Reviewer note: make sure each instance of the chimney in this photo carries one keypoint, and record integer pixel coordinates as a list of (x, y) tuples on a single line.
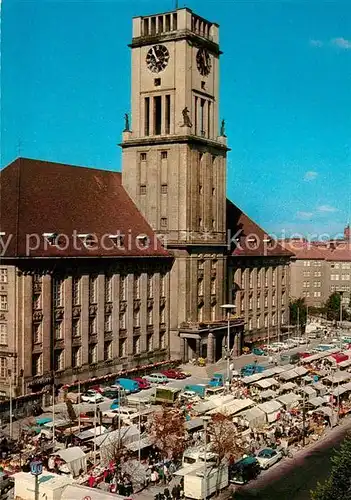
[(347, 233)]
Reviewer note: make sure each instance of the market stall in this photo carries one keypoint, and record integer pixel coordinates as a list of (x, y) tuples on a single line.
[(287, 387), (267, 383), (308, 391), (255, 417), (289, 400), (75, 492), (73, 460), (297, 372), (271, 409), (51, 486), (268, 394)]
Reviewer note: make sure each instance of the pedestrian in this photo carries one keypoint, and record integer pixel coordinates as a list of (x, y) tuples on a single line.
[(174, 492)]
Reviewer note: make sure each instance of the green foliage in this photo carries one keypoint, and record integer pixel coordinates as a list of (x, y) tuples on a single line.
[(298, 312), (332, 308), (338, 484)]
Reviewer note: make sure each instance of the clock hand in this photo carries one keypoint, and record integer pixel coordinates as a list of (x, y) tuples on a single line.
[(154, 54)]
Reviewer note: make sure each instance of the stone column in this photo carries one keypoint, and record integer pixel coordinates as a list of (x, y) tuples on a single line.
[(210, 348), (198, 347)]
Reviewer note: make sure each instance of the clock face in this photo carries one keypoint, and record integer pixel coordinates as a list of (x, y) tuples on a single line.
[(203, 61), (157, 58)]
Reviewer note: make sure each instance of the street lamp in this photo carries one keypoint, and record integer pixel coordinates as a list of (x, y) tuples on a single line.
[(228, 308), (36, 469), (205, 419)]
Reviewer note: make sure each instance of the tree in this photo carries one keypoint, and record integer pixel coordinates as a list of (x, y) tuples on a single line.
[(338, 484), (332, 306), (167, 432), (225, 441), (298, 312)]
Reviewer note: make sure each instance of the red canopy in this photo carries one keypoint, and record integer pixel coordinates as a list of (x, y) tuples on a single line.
[(339, 356)]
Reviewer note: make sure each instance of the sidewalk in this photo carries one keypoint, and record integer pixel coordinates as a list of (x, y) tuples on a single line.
[(151, 491)]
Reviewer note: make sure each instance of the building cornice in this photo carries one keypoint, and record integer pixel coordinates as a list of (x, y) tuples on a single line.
[(176, 139), (185, 34)]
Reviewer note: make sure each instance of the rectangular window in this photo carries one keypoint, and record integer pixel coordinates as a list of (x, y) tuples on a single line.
[(57, 292), (37, 301), (136, 345), (122, 287), (76, 291), (164, 155), (168, 114), (162, 340), (76, 328), (37, 364), (162, 285), (150, 316), (160, 24), (164, 189), (143, 156), (92, 354), (174, 28), (3, 275), (213, 286), (107, 350), (168, 22), (196, 112), (76, 357), (157, 115), (202, 117), (108, 323), (59, 360), (93, 289), (58, 330), (213, 312), (122, 320), (122, 350), (142, 189), (258, 302), (164, 222), (200, 287), (209, 120), (92, 326), (136, 286), (163, 315), (36, 333), (150, 287), (3, 333), (146, 26), (150, 342), (200, 313), (147, 115), (153, 26), (136, 317), (108, 288)]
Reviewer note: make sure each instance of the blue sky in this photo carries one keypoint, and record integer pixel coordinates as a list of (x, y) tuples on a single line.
[(285, 95)]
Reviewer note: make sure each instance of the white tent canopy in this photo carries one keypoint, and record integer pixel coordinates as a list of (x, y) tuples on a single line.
[(316, 402), (268, 394), (91, 433), (312, 393), (234, 407), (75, 459), (267, 383), (289, 399), (338, 377), (299, 371), (288, 386), (254, 417), (75, 492), (271, 409)]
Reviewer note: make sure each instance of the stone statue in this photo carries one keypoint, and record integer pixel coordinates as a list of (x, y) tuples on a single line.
[(186, 118), (222, 132), (126, 123)]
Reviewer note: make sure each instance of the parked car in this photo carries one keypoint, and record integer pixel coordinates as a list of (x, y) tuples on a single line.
[(244, 470), (217, 380), (189, 396), (92, 397), (257, 351), (156, 378), (173, 374), (129, 385), (6, 483), (143, 384), (97, 388), (268, 457)]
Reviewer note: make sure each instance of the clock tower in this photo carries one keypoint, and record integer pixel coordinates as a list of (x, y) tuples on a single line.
[(174, 158)]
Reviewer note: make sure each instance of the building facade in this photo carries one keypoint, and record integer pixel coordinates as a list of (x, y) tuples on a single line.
[(103, 271), (320, 269)]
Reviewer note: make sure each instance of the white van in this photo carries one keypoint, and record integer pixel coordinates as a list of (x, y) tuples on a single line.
[(197, 455), (124, 412)]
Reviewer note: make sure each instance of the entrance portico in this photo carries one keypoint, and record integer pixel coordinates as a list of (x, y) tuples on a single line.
[(209, 341)]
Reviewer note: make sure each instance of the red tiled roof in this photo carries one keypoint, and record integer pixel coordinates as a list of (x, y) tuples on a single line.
[(252, 241), (319, 251), (42, 197)]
